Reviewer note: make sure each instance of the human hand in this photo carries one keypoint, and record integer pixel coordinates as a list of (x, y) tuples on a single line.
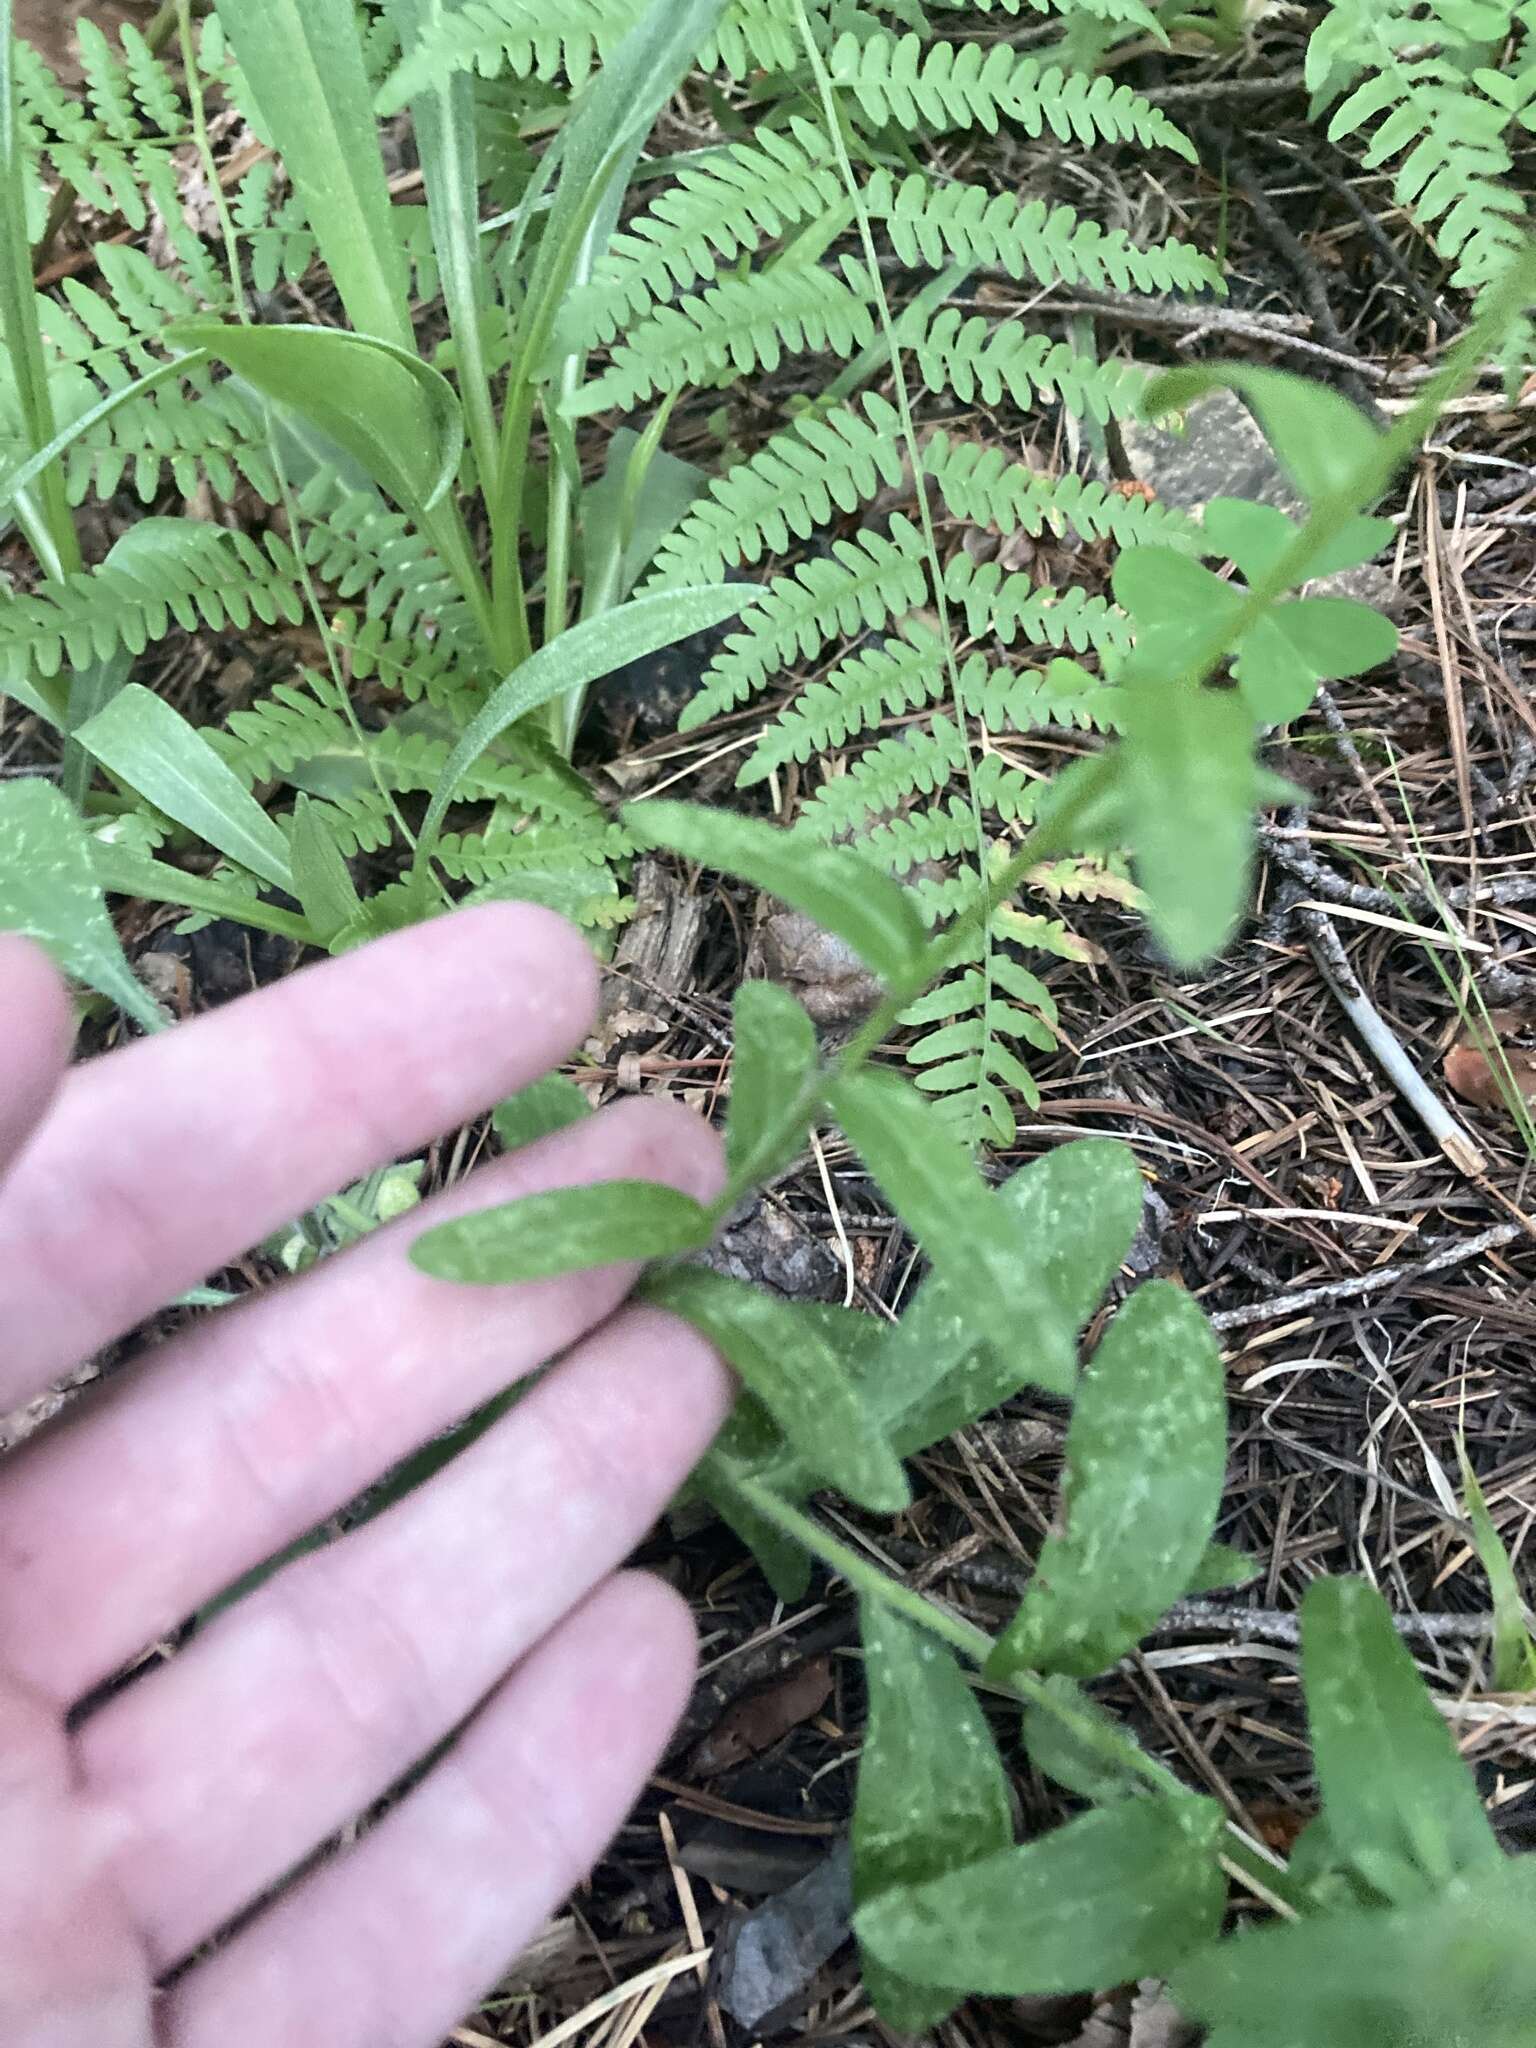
[(132, 1835)]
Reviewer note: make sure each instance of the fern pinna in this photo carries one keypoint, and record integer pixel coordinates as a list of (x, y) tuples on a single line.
[(745, 258), (1448, 82)]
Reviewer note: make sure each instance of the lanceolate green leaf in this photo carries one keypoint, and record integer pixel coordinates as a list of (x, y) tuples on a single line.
[(49, 891), (1146, 1453), (842, 891), (932, 1792), (773, 1058), (784, 1359), (12, 485), (150, 746), (567, 1230), (303, 62), (443, 120), (1190, 792), (1514, 1650), (1455, 1970), (1400, 1805), (392, 412), (157, 881), (932, 1183), (535, 1111), (785, 1566), (576, 658), (321, 879), (1115, 1895), (1073, 1215)]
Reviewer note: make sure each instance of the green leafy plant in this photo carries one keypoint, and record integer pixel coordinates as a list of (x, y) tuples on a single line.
[(948, 1903), (1447, 81), (371, 454), (1397, 1914)]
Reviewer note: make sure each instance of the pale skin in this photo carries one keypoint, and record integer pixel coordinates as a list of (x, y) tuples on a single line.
[(492, 1595)]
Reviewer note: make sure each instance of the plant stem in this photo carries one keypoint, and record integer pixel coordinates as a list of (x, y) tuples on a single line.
[(1243, 1857)]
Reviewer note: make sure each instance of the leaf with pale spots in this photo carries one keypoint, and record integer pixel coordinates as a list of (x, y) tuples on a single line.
[(1071, 1217), (1146, 1453), (49, 892), (1112, 1896), (784, 1358), (932, 1794), (566, 1230)]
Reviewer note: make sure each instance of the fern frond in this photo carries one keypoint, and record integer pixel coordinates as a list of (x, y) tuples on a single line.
[(903, 81), (358, 545), (1447, 140), (821, 464), (723, 207), (104, 143), (963, 1060), (293, 723), (958, 223), (360, 822), (742, 325), (863, 583), (161, 571), (980, 484), (1014, 608), (1063, 694), (881, 682), (534, 39), (973, 358), (922, 762)]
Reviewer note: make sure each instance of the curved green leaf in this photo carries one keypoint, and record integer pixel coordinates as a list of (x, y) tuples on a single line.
[(842, 891), (1400, 1804), (321, 878), (1146, 1455), (1115, 1895), (1072, 1216), (49, 892), (577, 657), (1189, 790), (932, 1791), (566, 1230), (931, 1181), (150, 746), (785, 1360), (1457, 1970), (303, 63), (552, 1104), (773, 1058), (382, 404)]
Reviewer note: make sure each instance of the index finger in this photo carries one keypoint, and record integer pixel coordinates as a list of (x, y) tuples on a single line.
[(159, 1164)]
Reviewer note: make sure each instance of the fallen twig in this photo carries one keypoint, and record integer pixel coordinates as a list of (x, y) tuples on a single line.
[(1300, 1299)]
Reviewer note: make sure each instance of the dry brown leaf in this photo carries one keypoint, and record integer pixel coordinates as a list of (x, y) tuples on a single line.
[(1476, 1078), (758, 1720)]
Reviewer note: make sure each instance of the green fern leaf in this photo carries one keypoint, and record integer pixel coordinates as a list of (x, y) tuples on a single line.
[(741, 326), (823, 463), (937, 85), (721, 208), (937, 224), (162, 571), (1013, 607), (904, 675), (975, 359), (980, 484), (864, 583)]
